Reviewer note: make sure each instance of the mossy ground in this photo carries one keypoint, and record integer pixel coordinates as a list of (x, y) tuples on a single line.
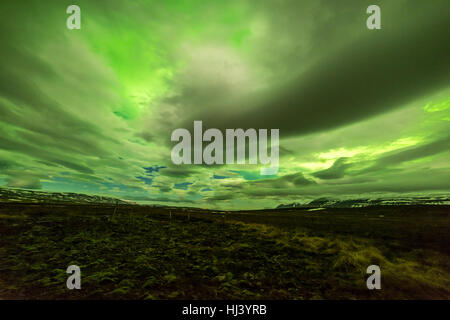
[(142, 253)]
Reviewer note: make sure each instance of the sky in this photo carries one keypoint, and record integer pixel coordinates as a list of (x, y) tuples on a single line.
[(361, 113)]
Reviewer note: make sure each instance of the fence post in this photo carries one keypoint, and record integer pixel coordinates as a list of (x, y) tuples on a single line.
[(115, 209)]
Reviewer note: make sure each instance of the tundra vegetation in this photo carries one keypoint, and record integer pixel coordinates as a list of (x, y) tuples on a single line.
[(143, 252)]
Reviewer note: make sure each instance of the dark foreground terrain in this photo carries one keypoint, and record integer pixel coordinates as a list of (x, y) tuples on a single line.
[(140, 252)]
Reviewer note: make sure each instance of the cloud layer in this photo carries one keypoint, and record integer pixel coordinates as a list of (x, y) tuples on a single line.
[(360, 112)]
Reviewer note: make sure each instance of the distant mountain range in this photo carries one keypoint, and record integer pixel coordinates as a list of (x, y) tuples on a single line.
[(355, 203), (12, 195), (21, 195)]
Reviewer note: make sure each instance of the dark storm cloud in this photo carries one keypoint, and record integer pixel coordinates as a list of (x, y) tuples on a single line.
[(290, 180), (403, 181), (341, 166), (178, 172), (414, 153), (380, 71), (336, 171), (221, 197), (268, 187), (387, 162), (164, 189)]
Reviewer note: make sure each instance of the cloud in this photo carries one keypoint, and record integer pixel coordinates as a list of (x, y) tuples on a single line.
[(25, 181), (397, 182), (287, 181), (89, 111), (377, 73), (413, 153), (179, 172), (336, 171)]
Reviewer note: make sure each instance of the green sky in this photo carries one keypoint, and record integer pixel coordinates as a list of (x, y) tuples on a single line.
[(361, 112)]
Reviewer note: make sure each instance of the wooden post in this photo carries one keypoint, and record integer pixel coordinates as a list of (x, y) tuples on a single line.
[(115, 209)]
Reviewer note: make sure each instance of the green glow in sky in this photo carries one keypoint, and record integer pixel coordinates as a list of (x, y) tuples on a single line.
[(361, 112)]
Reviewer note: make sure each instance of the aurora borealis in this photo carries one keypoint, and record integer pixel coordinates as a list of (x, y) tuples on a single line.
[(360, 112)]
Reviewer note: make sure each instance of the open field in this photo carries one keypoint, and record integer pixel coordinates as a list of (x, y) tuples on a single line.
[(141, 252)]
